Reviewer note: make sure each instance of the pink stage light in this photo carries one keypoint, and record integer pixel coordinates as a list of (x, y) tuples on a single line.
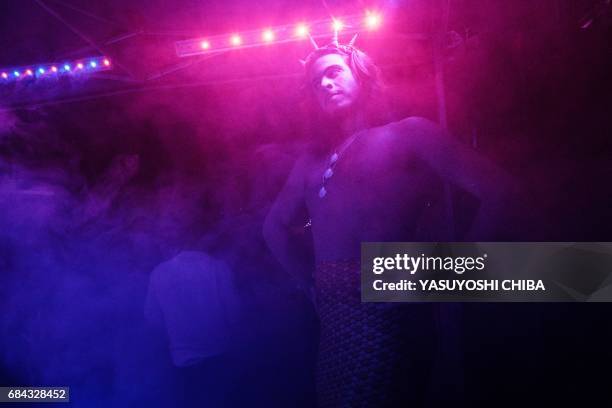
[(28, 72), (369, 20), (106, 62), (4, 75), (79, 66), (268, 35), (372, 21), (301, 30), (54, 68)]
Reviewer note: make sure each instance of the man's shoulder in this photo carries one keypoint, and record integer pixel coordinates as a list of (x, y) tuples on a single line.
[(414, 124), (408, 133)]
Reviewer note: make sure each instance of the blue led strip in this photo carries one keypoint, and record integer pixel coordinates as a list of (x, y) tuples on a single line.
[(42, 71)]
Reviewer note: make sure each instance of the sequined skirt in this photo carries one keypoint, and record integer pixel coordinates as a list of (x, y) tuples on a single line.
[(370, 354)]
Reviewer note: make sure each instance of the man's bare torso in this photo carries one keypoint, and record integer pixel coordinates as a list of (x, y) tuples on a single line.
[(379, 190)]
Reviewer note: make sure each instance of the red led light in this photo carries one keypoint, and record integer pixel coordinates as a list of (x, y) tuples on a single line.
[(106, 62), (28, 72), (79, 66)]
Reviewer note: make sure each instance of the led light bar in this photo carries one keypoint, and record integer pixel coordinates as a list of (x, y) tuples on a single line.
[(42, 71), (280, 34)]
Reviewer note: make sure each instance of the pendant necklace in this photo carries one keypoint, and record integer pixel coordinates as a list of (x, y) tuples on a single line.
[(333, 160)]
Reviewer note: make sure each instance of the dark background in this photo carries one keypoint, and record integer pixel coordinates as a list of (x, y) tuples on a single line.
[(81, 226)]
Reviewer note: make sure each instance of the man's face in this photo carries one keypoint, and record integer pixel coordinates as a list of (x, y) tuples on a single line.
[(333, 84)]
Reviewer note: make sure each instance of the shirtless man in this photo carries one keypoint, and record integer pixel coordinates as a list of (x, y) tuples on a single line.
[(365, 183)]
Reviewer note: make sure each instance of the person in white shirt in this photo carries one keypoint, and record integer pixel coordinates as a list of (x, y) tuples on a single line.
[(193, 298)]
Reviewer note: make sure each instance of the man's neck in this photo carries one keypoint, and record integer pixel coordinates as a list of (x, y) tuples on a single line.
[(353, 124), (348, 126)]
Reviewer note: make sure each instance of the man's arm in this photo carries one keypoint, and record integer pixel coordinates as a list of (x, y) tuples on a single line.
[(463, 167), (152, 309), (278, 223)]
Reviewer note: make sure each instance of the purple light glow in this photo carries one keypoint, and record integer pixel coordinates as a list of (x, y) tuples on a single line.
[(108, 171)]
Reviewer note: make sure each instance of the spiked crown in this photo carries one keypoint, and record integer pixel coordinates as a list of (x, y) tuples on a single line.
[(333, 47)]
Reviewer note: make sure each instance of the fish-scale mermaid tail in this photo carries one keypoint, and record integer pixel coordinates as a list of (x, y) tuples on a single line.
[(370, 354)]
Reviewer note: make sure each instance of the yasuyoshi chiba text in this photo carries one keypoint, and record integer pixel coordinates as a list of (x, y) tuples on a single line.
[(443, 285)]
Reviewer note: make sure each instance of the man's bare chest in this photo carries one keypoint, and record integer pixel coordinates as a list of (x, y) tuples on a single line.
[(366, 178)]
